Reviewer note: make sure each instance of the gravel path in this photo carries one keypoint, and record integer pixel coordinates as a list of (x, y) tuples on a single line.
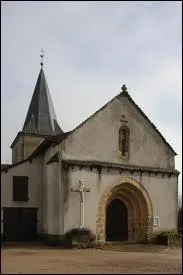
[(44, 260)]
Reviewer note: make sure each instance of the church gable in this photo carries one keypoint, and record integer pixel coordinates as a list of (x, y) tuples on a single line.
[(119, 133)]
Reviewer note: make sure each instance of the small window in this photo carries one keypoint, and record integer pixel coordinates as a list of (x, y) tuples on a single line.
[(124, 135), (20, 188)]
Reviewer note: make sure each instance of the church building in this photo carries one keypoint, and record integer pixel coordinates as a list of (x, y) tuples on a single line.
[(113, 174)]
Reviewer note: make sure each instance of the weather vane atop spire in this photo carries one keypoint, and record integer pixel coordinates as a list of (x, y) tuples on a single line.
[(42, 55)]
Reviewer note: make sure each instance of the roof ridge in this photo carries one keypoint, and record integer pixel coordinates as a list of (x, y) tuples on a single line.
[(60, 137), (126, 94)]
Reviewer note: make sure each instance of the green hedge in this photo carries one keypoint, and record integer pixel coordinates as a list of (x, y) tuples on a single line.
[(79, 238), (168, 238)]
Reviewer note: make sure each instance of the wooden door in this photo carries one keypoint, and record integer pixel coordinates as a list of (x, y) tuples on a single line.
[(116, 221)]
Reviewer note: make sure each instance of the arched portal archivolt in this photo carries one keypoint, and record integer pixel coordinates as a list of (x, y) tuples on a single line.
[(138, 203)]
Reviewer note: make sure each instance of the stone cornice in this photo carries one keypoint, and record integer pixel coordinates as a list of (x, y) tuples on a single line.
[(132, 168)]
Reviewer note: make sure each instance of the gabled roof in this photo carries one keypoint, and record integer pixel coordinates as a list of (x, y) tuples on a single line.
[(59, 138), (41, 117), (124, 93)]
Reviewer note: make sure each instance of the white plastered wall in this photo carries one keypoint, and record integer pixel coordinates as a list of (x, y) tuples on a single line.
[(162, 191), (33, 170)]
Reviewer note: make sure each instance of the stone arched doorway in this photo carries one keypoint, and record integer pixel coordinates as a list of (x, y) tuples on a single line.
[(139, 209)]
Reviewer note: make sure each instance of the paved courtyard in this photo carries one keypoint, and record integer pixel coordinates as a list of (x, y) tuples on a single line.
[(45, 260)]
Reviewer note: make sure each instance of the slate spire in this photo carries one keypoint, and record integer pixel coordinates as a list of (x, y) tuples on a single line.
[(41, 117)]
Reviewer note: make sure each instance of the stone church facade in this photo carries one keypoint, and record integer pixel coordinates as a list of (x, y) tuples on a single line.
[(124, 162)]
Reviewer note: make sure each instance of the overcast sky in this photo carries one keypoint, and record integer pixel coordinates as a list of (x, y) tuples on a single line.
[(92, 49)]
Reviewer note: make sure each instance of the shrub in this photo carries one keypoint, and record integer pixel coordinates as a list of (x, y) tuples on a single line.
[(79, 238), (168, 238)]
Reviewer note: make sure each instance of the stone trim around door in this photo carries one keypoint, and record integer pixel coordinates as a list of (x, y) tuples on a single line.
[(138, 203)]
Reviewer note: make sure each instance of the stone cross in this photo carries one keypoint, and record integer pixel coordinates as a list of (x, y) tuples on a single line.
[(82, 190)]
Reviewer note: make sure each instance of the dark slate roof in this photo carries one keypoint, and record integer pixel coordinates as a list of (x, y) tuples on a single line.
[(47, 143), (41, 117), (5, 166)]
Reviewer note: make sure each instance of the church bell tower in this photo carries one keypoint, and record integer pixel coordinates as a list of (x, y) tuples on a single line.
[(40, 121)]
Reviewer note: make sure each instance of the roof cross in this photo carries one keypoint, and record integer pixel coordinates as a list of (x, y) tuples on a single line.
[(42, 55), (124, 88)]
